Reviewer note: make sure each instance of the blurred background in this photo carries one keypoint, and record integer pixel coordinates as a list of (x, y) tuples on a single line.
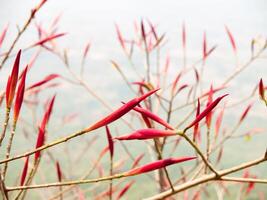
[(94, 22)]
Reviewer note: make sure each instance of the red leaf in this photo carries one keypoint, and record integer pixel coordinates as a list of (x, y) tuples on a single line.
[(24, 172), (137, 160), (125, 189), (20, 95), (144, 134), (156, 165), (47, 39), (120, 111), (205, 112), (120, 37), (12, 81), (184, 36), (204, 47), (261, 90), (219, 121), (231, 38), (42, 128), (196, 126), (3, 35), (152, 116), (245, 113), (110, 142), (45, 80), (59, 173)]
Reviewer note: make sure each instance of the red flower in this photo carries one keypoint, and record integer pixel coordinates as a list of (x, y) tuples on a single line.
[(120, 111), (144, 134), (156, 165)]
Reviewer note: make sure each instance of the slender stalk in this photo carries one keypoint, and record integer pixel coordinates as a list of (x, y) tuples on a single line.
[(199, 153), (9, 147), (3, 134)]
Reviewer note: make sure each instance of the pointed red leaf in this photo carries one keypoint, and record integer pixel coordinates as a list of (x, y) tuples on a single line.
[(125, 189), (196, 126), (59, 173), (120, 111), (245, 113), (156, 165), (261, 89), (144, 134), (3, 35), (137, 160), (20, 95), (205, 112), (47, 39), (152, 116), (120, 37), (12, 81), (24, 171), (45, 80), (110, 142), (231, 38), (184, 36)]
